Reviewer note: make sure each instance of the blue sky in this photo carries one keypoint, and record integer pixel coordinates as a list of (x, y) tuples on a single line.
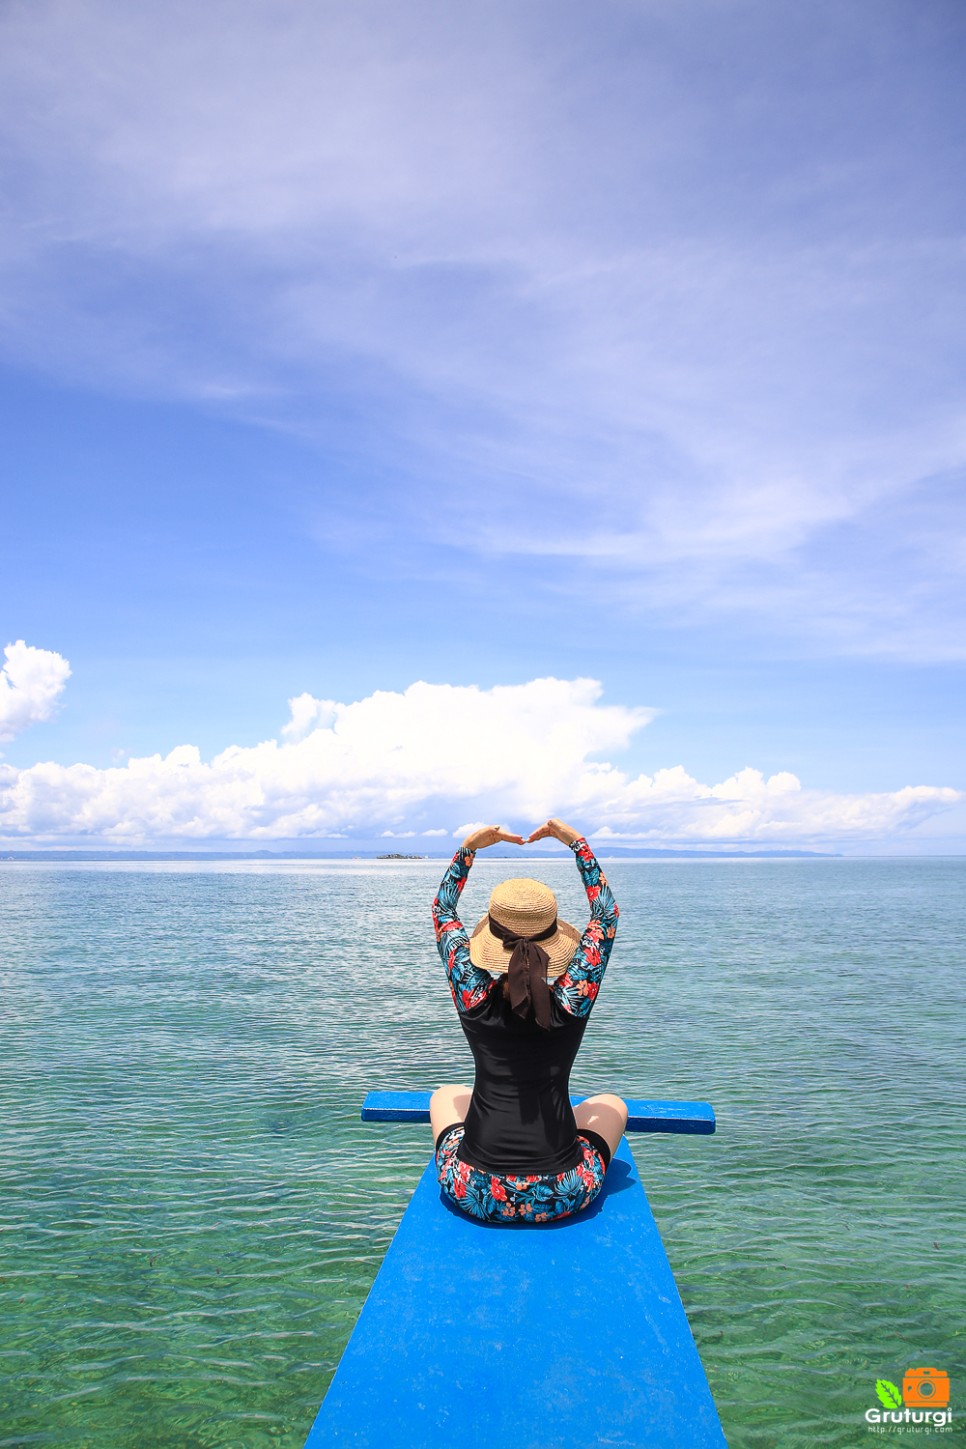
[(347, 349)]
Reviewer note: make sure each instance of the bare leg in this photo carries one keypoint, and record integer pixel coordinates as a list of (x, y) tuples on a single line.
[(449, 1105), (604, 1114)]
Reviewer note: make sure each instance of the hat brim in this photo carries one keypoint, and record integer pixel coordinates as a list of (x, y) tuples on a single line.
[(488, 952)]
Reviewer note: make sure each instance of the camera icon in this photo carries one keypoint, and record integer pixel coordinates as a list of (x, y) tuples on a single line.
[(925, 1388)]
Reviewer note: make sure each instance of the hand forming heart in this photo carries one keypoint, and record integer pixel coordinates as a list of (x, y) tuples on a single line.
[(491, 834)]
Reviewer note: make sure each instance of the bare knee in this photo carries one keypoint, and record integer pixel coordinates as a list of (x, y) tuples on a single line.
[(609, 1101), (605, 1114), (447, 1106)]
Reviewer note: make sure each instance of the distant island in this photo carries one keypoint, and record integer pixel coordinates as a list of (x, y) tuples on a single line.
[(394, 855)]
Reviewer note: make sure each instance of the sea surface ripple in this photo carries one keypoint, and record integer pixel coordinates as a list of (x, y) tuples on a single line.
[(192, 1213)]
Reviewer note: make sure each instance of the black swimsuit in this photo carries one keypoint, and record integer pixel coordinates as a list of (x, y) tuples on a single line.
[(520, 1118)]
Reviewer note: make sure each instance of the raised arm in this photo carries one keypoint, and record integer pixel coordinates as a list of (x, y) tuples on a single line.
[(468, 983), (576, 990)]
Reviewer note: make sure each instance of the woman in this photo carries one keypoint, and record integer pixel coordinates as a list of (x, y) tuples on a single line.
[(513, 1149)]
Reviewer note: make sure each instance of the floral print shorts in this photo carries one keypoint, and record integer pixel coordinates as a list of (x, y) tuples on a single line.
[(500, 1198)]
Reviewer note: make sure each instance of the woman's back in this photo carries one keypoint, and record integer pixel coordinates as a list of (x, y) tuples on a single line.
[(520, 1118)]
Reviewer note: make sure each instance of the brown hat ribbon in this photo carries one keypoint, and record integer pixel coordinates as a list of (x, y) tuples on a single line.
[(527, 972)]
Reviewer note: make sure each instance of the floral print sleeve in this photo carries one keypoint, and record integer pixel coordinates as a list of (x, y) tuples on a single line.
[(576, 990), (468, 983)]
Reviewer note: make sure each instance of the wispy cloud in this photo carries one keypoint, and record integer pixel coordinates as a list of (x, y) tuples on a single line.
[(417, 763), (706, 334)]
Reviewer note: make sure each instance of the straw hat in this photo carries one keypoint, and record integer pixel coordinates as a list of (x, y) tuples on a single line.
[(527, 908)]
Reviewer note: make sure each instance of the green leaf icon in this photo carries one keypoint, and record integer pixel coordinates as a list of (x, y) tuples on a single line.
[(889, 1395)]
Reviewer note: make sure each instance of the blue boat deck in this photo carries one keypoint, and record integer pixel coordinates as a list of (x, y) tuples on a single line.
[(556, 1336)]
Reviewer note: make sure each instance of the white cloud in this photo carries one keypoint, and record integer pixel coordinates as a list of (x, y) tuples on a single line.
[(777, 811), (379, 766), (600, 263), (31, 682), (307, 713)]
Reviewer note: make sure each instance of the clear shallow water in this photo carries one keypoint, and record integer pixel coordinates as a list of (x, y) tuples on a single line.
[(183, 1051)]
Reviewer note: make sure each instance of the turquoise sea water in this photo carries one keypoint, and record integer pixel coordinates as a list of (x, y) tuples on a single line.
[(184, 1240)]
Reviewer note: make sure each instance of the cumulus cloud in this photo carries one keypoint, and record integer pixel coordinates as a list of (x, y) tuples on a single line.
[(420, 762), (31, 682), (747, 807)]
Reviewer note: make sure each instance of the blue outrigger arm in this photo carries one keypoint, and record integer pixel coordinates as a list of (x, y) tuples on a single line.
[(561, 1335)]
